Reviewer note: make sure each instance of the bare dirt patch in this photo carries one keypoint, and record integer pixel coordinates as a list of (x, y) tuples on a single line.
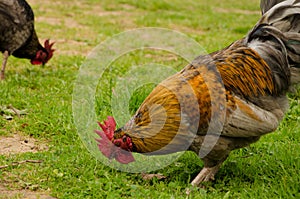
[(49, 20), (71, 47), (237, 11), (5, 194), (20, 144), (185, 29)]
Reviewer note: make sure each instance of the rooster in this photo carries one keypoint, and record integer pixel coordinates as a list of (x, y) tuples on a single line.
[(18, 36), (246, 82)]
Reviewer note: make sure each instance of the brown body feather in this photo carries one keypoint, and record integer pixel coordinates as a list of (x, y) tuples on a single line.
[(243, 73)]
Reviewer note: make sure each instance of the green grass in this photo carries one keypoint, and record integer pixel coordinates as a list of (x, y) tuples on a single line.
[(266, 169)]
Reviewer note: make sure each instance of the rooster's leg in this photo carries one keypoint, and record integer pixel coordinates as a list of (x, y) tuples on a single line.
[(5, 57), (206, 174)]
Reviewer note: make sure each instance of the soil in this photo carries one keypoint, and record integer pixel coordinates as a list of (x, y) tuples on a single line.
[(26, 194), (19, 144), (237, 11)]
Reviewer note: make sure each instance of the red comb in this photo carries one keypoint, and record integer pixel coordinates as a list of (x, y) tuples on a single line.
[(49, 49), (108, 127)]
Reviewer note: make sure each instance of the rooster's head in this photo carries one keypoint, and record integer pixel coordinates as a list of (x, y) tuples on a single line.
[(42, 56), (114, 144)]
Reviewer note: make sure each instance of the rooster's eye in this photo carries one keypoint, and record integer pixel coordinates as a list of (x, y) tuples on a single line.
[(124, 138)]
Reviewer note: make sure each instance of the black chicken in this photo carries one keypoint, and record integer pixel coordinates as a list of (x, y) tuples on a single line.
[(18, 36)]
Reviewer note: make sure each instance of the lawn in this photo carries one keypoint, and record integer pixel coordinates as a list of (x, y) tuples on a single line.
[(65, 167)]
